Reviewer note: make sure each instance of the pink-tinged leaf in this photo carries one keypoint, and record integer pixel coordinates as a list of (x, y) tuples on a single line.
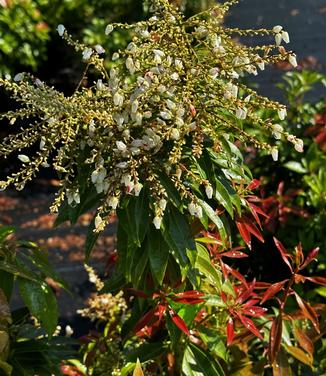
[(254, 311), (255, 210), (252, 228), (275, 338), (254, 184), (312, 255), (230, 331), (189, 297), (234, 254), (284, 254), (273, 290), (248, 324), (179, 322), (318, 280), (247, 293), (145, 320), (245, 234), (308, 311)]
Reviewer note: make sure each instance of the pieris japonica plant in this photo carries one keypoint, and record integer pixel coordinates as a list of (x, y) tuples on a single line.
[(154, 142)]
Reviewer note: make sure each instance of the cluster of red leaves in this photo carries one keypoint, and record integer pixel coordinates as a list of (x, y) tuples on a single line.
[(296, 264), (318, 131), (154, 318)]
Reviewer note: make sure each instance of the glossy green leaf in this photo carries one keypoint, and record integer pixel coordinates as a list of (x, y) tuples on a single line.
[(177, 234), (196, 362), (41, 301), (223, 197), (214, 218), (205, 267), (158, 251)]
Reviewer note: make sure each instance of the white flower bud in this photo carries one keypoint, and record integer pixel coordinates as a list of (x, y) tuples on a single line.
[(241, 113), (298, 145), (213, 72), (175, 134), (293, 60), (121, 146), (76, 197), (285, 36), (42, 144), (162, 203), (115, 56), (170, 104), (278, 39), (108, 30), (98, 222), (94, 176), (198, 211), (99, 49), (134, 106), (209, 191), (61, 29), (178, 173), (137, 188), (130, 65), (113, 202), (192, 208), (261, 65), (178, 64), (275, 154), (19, 77), (157, 222), (175, 76), (24, 158), (118, 99), (122, 165), (166, 115), (282, 113), (87, 53), (277, 29), (69, 331)]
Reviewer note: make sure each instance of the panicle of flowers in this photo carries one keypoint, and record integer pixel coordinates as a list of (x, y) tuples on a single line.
[(176, 85)]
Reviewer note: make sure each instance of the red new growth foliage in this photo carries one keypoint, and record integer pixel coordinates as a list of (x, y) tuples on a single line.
[(275, 337), (312, 255), (230, 332), (189, 297), (255, 210), (70, 371), (319, 280), (254, 184), (178, 321), (273, 290), (308, 311), (248, 324), (246, 227), (284, 254)]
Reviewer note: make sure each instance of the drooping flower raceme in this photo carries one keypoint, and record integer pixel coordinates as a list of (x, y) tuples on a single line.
[(173, 97)]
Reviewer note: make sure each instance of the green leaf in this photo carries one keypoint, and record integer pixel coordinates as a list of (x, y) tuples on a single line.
[(41, 302), (158, 252), (223, 197), (177, 234), (214, 218), (5, 231), (213, 341), (204, 265), (196, 362), (296, 167), (18, 271), (134, 218), (6, 283)]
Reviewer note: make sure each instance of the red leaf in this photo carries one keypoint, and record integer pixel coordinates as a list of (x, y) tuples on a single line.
[(145, 320), (254, 311), (189, 297), (252, 228), (248, 324), (299, 254), (230, 331), (178, 321), (312, 255), (234, 254), (273, 290), (284, 254), (308, 311), (245, 234), (319, 280), (235, 273), (255, 210), (275, 337), (246, 293), (254, 184)]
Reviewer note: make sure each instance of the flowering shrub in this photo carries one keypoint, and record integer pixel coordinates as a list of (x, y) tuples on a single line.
[(153, 141)]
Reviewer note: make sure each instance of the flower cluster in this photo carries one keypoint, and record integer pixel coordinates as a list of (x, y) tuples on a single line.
[(175, 88)]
